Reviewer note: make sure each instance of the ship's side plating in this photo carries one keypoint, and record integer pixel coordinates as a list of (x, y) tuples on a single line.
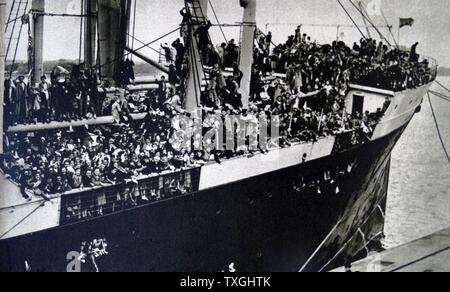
[(262, 213)]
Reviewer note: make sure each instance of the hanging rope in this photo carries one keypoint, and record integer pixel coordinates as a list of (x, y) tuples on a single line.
[(351, 18), (218, 22), (366, 243), (381, 211), (438, 128)]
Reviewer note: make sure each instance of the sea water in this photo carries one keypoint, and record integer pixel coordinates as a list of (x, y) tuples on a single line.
[(419, 192)]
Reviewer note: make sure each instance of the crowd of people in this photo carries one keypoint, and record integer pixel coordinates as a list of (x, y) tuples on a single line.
[(63, 97), (309, 66), (59, 161), (95, 156)]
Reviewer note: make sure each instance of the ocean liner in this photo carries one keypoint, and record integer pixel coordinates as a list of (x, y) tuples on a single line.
[(306, 206)]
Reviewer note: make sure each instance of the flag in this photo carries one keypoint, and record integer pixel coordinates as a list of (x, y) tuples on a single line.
[(373, 8), (406, 22)]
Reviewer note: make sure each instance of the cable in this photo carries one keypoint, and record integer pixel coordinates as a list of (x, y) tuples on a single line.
[(138, 49), (9, 17), (389, 28), (441, 85), (365, 221), (142, 43), (218, 22), (21, 221), (442, 96), (134, 26), (351, 18), (370, 21), (351, 238), (438, 129)]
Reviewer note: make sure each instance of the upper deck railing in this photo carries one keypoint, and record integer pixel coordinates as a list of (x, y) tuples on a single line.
[(396, 78)]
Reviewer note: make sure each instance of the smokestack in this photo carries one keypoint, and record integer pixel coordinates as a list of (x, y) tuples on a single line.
[(2, 67), (247, 37), (38, 7)]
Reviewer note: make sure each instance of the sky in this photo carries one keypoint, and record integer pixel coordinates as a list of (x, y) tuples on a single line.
[(157, 17)]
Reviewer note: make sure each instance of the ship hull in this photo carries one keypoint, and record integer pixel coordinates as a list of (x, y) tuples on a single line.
[(307, 217)]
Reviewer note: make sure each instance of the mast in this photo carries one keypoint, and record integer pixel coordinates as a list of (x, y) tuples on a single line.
[(38, 7), (248, 36), (109, 20), (204, 6), (2, 67), (90, 50), (194, 82), (198, 10)]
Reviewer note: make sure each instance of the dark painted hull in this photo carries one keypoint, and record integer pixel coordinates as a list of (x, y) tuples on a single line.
[(275, 222)]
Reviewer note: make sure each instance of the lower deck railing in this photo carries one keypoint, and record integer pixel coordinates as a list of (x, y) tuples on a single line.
[(91, 203)]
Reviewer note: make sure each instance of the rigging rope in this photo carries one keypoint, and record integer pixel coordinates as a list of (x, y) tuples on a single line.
[(23, 220), (9, 17), (320, 246), (441, 85), (218, 22), (441, 96), (378, 207), (389, 28), (351, 18), (134, 26), (140, 48), (438, 128), (142, 43), (371, 22), (351, 238)]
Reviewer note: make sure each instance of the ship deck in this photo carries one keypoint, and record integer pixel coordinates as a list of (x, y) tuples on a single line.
[(10, 196), (429, 254)]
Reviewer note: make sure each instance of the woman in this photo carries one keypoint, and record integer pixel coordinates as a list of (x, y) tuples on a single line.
[(99, 181), (37, 106), (237, 74), (77, 180), (299, 79), (173, 76), (97, 178), (36, 185), (116, 110)]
